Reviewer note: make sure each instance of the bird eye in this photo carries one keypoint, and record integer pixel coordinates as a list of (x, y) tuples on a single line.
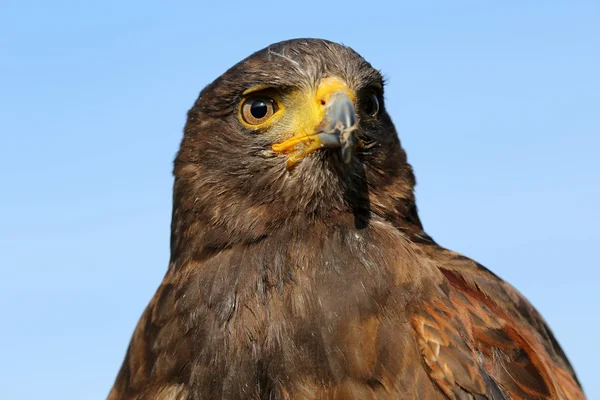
[(372, 105), (257, 110)]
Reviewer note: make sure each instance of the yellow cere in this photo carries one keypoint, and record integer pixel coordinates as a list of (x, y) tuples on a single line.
[(309, 111), (329, 86), (300, 126)]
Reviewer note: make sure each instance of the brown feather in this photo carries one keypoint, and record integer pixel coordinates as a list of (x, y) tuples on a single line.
[(319, 282)]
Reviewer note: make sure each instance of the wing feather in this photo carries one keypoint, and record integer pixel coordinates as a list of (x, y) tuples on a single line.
[(479, 337)]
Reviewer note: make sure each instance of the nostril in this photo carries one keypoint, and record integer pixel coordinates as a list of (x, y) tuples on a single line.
[(322, 102)]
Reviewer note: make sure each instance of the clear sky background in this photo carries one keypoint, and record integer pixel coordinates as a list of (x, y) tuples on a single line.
[(497, 104)]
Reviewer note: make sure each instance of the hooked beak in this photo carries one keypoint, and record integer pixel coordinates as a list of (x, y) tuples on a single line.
[(333, 127), (341, 124)]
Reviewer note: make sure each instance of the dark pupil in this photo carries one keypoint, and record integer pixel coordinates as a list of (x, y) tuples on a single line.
[(258, 109)]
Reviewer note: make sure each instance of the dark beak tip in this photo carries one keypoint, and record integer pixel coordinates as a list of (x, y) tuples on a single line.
[(347, 154)]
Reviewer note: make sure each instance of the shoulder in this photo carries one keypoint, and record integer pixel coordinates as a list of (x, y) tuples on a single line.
[(478, 334)]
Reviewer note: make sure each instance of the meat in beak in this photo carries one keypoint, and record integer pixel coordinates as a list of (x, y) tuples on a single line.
[(341, 124)]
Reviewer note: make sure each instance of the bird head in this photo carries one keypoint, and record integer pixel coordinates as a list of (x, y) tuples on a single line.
[(300, 97), (297, 130)]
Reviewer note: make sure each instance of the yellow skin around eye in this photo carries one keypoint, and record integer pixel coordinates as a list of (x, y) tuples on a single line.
[(266, 124), (298, 118)]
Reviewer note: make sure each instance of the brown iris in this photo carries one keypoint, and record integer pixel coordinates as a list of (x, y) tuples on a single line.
[(257, 110), (371, 105)]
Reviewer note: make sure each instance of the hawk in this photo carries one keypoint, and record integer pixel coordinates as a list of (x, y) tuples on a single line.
[(299, 267)]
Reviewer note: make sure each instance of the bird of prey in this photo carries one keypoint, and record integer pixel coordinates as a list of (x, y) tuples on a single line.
[(299, 267)]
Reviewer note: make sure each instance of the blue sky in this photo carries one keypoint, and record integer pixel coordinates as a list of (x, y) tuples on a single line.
[(497, 104)]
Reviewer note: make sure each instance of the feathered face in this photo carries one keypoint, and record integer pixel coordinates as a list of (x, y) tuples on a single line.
[(296, 129), (298, 97)]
